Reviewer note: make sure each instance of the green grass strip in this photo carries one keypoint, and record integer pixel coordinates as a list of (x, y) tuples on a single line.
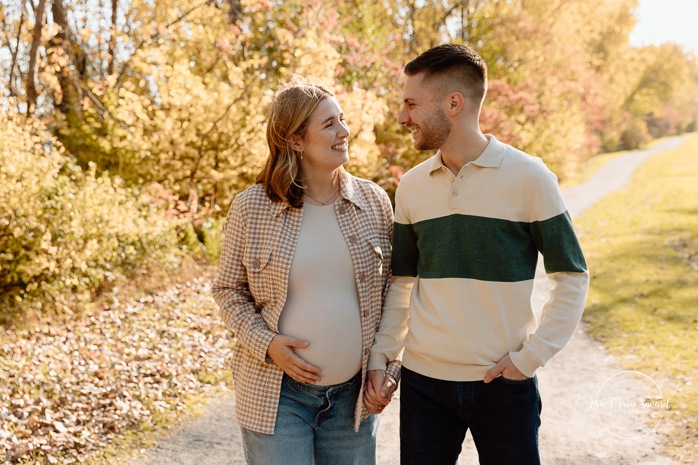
[(641, 245)]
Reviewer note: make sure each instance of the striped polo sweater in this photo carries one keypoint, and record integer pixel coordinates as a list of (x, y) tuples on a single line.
[(464, 258)]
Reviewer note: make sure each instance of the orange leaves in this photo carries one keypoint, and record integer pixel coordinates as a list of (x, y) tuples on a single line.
[(67, 392)]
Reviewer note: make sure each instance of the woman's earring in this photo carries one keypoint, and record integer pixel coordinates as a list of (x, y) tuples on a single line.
[(301, 156)]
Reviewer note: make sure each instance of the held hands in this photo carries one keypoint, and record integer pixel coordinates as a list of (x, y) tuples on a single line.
[(506, 368), (281, 352), (379, 390)]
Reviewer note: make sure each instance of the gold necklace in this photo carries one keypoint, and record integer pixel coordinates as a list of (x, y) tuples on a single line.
[(320, 201)]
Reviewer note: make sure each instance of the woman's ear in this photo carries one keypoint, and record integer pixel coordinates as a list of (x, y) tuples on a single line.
[(296, 143)]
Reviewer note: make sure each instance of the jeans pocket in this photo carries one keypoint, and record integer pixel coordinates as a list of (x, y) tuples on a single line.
[(515, 381)]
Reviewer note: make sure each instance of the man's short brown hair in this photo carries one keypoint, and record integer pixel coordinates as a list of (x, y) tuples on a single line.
[(452, 68)]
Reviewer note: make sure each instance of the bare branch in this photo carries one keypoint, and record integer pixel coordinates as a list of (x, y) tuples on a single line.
[(13, 65)]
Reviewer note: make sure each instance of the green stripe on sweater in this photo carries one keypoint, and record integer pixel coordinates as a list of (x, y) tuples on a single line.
[(487, 249), (405, 254), (558, 243)]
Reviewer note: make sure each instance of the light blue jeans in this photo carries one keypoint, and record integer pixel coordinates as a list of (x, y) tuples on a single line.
[(315, 425)]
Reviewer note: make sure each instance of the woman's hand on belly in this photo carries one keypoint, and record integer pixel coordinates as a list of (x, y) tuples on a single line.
[(281, 352)]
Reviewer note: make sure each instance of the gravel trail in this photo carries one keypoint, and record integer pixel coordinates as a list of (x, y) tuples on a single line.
[(571, 432)]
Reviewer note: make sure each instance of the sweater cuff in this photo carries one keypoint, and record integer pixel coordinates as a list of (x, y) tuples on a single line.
[(393, 368), (525, 362), (377, 361)]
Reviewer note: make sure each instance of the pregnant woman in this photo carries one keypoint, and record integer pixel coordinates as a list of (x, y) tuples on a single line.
[(304, 268)]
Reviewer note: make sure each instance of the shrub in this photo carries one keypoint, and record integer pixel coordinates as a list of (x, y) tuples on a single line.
[(634, 135), (65, 231)]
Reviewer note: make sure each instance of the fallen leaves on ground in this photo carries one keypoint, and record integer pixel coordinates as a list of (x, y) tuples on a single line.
[(68, 390)]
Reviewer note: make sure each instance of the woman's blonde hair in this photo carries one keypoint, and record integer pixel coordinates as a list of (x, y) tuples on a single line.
[(289, 116)]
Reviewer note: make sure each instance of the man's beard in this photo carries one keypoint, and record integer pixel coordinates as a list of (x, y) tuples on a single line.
[(434, 131)]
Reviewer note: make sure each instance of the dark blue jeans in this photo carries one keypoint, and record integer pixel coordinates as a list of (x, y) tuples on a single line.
[(503, 417)]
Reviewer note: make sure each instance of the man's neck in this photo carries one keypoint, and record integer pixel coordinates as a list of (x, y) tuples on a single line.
[(462, 149)]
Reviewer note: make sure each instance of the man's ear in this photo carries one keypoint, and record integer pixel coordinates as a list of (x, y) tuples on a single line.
[(455, 102), (296, 143)]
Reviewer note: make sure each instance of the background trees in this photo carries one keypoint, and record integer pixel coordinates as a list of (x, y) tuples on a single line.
[(171, 97), (176, 92)]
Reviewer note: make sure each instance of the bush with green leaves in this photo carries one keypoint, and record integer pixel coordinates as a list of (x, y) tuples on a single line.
[(65, 231)]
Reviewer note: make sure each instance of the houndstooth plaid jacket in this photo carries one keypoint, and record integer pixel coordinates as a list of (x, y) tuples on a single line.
[(251, 285)]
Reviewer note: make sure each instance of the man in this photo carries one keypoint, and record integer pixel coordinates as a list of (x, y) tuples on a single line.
[(469, 224)]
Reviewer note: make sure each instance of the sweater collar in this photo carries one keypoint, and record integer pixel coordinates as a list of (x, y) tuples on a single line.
[(491, 157)]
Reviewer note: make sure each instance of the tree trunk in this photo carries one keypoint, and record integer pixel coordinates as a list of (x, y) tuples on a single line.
[(235, 10), (69, 42), (68, 79), (410, 22), (33, 56), (112, 37)]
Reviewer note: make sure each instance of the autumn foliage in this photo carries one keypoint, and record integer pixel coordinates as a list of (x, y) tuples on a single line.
[(65, 230), (129, 127)]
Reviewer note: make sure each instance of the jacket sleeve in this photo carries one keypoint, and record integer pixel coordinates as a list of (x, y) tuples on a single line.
[(231, 289)]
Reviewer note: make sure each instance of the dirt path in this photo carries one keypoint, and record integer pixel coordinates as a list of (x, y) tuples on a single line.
[(571, 433)]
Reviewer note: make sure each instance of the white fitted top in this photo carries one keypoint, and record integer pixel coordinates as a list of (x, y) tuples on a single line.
[(322, 305)]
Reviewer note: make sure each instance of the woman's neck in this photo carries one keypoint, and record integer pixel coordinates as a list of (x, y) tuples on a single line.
[(321, 184), (321, 187)]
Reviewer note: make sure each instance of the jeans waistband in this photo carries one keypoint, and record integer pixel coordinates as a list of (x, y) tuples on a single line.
[(322, 390)]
